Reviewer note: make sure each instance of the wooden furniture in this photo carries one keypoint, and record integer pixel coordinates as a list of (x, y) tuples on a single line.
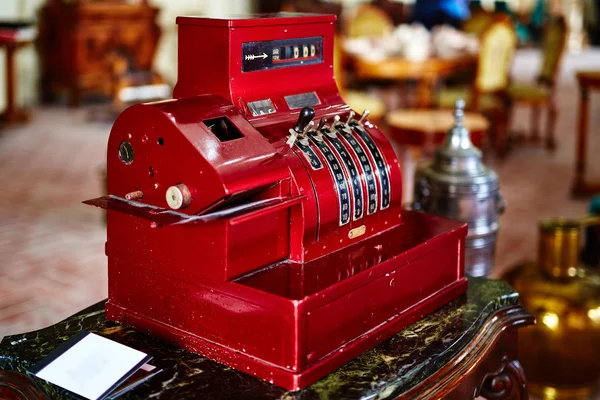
[(465, 349), (130, 86), (540, 94), (426, 73), (14, 36), (428, 128), (588, 81), (366, 20), (357, 100), (488, 92), (77, 37)]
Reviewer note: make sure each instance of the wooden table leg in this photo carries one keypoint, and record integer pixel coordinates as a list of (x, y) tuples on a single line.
[(580, 188), (425, 90), (581, 139), (12, 114), (535, 124)]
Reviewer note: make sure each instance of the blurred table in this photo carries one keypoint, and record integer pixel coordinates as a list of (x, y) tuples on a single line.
[(415, 133), (428, 128), (588, 80), (466, 348), (14, 35), (426, 73)]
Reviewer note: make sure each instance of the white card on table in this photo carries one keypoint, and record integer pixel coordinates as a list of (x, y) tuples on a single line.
[(90, 365)]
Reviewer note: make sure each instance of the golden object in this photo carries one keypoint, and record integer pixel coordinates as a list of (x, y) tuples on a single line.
[(561, 353), (356, 232)]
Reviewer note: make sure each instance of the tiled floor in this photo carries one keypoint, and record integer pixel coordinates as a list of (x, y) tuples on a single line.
[(52, 261)]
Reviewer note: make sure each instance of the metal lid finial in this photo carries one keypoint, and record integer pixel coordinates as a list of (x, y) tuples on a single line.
[(459, 111), (457, 154)]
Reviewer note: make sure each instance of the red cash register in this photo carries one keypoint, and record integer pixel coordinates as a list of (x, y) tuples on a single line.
[(255, 219)]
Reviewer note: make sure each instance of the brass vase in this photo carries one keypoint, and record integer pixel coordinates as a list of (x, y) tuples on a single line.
[(561, 353)]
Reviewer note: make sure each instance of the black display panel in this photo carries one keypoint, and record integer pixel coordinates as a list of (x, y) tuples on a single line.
[(272, 54)]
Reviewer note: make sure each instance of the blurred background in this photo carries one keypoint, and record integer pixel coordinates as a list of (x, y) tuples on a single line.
[(68, 67)]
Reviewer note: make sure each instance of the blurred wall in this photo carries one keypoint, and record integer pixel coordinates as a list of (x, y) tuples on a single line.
[(166, 57)]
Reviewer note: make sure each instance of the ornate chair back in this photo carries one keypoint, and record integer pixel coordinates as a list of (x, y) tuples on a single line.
[(496, 50), (368, 20), (553, 45), (478, 22)]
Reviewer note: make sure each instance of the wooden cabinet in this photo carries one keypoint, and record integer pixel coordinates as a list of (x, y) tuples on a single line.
[(78, 39)]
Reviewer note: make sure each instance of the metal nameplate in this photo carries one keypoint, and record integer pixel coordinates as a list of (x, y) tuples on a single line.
[(301, 100), (341, 182), (310, 156), (367, 168), (384, 179), (357, 189)]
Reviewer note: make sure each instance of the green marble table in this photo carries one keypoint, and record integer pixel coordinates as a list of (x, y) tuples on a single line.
[(465, 349)]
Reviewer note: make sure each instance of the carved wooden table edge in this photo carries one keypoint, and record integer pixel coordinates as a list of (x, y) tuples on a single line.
[(488, 364), (16, 386)]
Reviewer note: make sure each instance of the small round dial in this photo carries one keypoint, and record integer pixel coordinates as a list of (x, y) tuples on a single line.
[(126, 152)]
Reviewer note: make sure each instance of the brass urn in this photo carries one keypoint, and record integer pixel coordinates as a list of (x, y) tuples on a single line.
[(561, 353)]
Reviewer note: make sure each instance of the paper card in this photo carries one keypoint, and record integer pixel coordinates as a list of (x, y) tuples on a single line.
[(90, 365)]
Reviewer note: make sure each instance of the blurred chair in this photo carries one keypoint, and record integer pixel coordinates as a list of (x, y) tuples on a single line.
[(478, 23), (399, 11), (427, 129), (368, 20), (357, 100), (488, 92), (540, 94)]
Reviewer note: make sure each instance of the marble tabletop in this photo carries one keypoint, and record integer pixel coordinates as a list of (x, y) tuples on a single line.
[(386, 371)]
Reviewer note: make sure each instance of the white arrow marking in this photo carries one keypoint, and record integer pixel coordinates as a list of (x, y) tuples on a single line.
[(252, 56)]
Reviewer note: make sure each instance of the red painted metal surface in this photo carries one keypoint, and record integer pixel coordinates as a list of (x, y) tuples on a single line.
[(263, 270)]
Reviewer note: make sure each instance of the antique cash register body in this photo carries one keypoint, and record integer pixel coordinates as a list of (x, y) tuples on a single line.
[(254, 219)]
